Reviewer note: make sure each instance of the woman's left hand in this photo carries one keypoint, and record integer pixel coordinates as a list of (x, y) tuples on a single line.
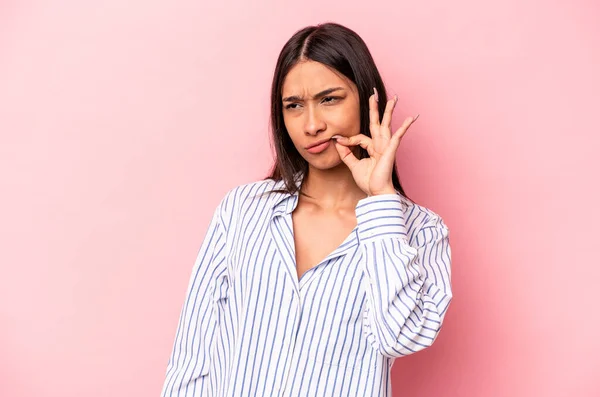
[(374, 174)]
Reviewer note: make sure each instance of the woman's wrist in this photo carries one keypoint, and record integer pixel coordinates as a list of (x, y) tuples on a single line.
[(390, 190)]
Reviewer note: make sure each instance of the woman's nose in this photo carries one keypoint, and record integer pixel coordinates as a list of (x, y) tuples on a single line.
[(314, 124)]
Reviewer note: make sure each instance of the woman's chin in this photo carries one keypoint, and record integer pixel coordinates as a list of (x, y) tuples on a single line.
[(326, 163)]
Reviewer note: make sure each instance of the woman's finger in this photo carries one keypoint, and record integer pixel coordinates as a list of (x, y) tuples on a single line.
[(385, 128), (346, 155), (357, 140), (374, 114), (404, 127)]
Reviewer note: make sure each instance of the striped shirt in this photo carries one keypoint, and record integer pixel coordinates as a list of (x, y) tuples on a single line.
[(249, 327)]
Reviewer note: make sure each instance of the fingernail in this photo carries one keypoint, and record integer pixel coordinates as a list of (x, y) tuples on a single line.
[(395, 98), (336, 137), (376, 94), (416, 117)]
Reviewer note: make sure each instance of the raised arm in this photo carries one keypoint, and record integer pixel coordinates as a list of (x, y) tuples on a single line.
[(408, 287)]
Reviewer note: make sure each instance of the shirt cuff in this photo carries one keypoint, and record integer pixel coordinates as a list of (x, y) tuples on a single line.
[(381, 216)]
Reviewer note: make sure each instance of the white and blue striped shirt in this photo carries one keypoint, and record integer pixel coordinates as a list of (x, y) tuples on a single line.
[(249, 327)]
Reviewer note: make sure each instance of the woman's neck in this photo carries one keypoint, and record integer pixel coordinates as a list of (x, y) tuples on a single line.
[(331, 189)]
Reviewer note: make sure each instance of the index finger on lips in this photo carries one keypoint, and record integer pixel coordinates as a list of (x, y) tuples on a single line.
[(360, 139)]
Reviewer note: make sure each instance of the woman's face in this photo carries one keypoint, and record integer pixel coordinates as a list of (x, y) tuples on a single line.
[(317, 104)]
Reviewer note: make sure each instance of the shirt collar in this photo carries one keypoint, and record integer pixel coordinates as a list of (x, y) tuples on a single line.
[(285, 203)]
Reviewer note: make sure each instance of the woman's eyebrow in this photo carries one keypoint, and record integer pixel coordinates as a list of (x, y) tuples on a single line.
[(318, 95)]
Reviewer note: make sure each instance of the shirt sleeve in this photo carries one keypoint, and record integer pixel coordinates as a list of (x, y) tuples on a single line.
[(189, 363), (407, 286)]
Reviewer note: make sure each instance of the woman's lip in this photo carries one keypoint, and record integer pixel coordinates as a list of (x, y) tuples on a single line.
[(319, 148)]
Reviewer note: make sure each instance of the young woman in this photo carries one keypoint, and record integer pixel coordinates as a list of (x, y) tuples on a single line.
[(312, 281)]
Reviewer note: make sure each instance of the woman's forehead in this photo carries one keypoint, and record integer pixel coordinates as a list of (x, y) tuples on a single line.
[(311, 77)]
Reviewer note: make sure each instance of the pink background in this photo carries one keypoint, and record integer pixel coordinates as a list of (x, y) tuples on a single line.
[(123, 123)]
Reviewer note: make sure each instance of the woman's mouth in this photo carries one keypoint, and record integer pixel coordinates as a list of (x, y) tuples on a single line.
[(316, 149)]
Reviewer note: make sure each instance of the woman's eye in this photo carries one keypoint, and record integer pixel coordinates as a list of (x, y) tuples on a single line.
[(329, 99)]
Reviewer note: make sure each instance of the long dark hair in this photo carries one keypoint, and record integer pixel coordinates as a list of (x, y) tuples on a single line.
[(342, 49)]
